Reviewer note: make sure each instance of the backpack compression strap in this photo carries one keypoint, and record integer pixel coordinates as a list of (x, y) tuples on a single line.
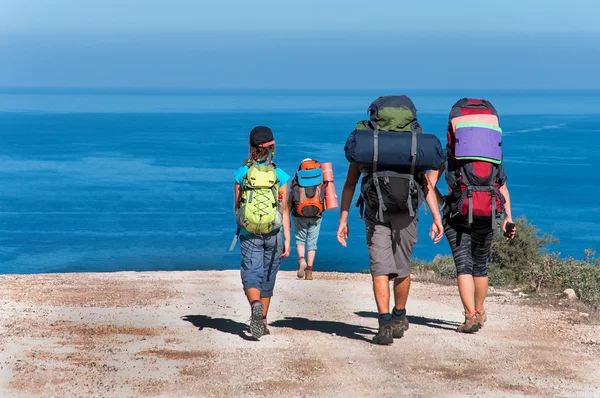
[(382, 207), (413, 162)]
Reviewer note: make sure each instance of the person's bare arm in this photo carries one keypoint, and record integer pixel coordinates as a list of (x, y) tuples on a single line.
[(283, 191), (507, 210), (433, 177), (237, 193), (347, 195), (437, 230)]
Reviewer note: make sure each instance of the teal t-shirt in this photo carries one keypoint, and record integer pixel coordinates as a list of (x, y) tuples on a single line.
[(240, 173)]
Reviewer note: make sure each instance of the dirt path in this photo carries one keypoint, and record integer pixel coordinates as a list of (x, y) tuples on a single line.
[(183, 334)]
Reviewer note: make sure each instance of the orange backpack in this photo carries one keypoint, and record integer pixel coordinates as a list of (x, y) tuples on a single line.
[(308, 190)]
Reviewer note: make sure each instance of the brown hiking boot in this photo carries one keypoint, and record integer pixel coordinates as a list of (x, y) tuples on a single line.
[(481, 317), (399, 326), (385, 335), (308, 275), (469, 326), (301, 267)]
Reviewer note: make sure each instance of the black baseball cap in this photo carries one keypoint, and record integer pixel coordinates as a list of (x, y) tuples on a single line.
[(261, 135)]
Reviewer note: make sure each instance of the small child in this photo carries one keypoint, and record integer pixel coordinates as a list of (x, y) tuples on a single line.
[(307, 201), (262, 214)]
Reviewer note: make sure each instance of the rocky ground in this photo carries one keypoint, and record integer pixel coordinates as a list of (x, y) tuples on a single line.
[(185, 334)]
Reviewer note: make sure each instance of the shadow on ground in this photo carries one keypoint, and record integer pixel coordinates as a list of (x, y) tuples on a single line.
[(417, 320), (354, 332), (221, 324)]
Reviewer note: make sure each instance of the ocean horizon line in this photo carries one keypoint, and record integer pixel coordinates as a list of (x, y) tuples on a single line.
[(278, 90)]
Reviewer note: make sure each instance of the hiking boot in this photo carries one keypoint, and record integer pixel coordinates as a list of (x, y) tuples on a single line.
[(256, 321), (469, 326), (481, 317), (301, 267), (309, 275), (265, 330), (385, 335), (399, 326)]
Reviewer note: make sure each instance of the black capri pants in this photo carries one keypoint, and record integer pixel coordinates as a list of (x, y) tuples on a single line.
[(470, 246)]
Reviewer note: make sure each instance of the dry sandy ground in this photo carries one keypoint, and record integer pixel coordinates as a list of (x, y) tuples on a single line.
[(184, 334)]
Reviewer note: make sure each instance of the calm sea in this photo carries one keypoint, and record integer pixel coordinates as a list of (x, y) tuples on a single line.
[(106, 180)]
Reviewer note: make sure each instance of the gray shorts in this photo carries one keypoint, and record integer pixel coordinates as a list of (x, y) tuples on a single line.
[(306, 231), (390, 244)]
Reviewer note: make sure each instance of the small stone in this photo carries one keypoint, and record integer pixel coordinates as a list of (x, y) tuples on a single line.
[(570, 294), (584, 314)]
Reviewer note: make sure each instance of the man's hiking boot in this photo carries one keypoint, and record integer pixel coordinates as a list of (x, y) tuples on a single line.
[(399, 326), (309, 275), (301, 267), (257, 326), (481, 317), (385, 335), (265, 330), (469, 326)]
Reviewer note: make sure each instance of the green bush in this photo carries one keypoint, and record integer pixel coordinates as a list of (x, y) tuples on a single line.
[(442, 266), (581, 276), (516, 260)]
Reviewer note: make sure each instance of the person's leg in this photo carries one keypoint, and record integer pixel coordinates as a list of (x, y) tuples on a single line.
[(379, 243), (459, 239), (405, 236), (252, 248), (381, 290), (481, 242), (272, 261), (300, 233), (312, 237)]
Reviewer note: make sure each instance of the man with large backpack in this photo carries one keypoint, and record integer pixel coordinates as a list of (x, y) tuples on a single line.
[(477, 196), (392, 153)]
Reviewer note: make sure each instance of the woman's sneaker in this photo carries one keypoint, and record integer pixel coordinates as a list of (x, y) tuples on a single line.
[(301, 267), (469, 326), (481, 317), (257, 326)]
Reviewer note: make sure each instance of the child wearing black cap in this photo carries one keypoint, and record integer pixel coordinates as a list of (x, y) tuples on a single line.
[(260, 240)]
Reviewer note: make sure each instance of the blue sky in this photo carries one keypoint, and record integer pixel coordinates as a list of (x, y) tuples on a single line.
[(306, 44)]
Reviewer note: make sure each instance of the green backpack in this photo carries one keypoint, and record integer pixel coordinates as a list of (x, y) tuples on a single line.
[(259, 211)]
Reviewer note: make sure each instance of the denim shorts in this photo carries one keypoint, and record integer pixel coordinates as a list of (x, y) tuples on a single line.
[(306, 231), (261, 257)]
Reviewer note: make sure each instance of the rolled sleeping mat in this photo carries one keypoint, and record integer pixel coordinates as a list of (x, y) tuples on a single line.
[(476, 118), (478, 141), (394, 150)]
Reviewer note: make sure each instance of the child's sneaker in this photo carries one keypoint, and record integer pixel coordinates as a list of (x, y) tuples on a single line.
[(257, 326), (469, 326), (309, 275), (481, 317), (301, 267)]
